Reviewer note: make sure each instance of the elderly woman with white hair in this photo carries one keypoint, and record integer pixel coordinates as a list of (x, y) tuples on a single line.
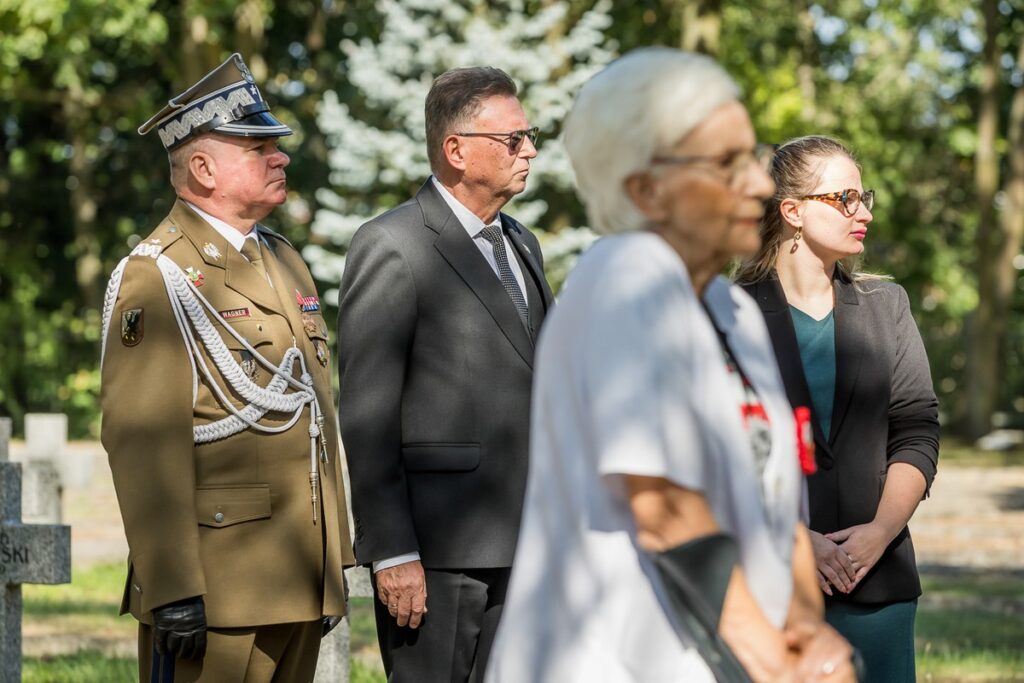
[(659, 416)]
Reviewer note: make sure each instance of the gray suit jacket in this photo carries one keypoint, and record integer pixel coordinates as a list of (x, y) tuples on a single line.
[(885, 411), (436, 370)]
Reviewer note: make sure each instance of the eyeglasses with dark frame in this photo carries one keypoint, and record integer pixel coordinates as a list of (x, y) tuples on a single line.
[(850, 199), (513, 138), (733, 163)]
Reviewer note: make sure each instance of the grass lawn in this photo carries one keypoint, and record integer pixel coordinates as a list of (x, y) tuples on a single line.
[(957, 452), (98, 646), (970, 627)]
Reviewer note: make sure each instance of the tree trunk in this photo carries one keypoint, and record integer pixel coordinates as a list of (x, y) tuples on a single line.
[(809, 64), (983, 351), (88, 265), (701, 25), (194, 59)]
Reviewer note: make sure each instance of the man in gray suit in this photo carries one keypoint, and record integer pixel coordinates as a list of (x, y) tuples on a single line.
[(439, 310)]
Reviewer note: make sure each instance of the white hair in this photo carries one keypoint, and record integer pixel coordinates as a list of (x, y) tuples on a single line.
[(641, 104)]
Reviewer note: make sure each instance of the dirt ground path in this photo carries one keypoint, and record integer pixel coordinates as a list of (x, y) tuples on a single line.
[(973, 519)]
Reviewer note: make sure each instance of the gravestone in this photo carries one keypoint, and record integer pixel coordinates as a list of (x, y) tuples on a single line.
[(42, 480), (29, 553)]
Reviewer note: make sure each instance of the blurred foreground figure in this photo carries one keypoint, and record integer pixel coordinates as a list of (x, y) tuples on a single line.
[(217, 410), (439, 308), (661, 430), (848, 348)]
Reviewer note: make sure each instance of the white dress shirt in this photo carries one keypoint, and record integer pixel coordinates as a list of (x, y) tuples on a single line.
[(229, 232), (474, 226)]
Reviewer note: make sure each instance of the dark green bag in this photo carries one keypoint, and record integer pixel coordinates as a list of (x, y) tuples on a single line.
[(696, 575)]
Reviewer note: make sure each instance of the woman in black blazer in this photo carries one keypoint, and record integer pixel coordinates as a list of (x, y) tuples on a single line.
[(849, 350)]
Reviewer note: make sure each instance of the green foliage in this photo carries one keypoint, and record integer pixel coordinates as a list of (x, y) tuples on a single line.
[(896, 79)]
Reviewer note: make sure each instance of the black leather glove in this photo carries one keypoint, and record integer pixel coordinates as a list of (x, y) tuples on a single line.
[(179, 629), (329, 624)]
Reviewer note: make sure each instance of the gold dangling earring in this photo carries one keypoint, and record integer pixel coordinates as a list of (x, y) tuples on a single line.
[(796, 239)]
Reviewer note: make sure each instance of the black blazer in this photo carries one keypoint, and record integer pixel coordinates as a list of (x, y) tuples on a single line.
[(885, 411), (436, 369)]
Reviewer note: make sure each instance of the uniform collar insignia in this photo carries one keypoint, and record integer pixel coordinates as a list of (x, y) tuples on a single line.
[(212, 251)]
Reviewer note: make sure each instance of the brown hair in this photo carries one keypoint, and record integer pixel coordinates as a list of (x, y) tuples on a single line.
[(455, 97), (796, 169)]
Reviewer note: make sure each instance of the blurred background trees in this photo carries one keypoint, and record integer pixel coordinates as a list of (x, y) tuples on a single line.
[(930, 94)]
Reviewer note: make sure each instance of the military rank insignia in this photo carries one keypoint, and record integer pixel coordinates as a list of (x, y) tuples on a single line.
[(196, 277), (307, 304), (131, 326)]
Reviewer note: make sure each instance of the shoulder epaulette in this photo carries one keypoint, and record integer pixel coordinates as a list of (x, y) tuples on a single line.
[(162, 237)]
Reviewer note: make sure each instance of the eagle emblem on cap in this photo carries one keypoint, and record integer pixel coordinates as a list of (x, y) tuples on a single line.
[(246, 74)]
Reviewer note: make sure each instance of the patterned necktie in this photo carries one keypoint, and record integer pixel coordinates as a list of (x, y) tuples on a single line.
[(492, 233), (251, 251)]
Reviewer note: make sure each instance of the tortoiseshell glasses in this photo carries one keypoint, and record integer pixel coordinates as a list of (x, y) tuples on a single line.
[(850, 199)]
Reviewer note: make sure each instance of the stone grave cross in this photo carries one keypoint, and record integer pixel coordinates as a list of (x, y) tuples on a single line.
[(29, 553)]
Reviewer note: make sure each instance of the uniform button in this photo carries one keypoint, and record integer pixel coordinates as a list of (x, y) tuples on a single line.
[(219, 517)]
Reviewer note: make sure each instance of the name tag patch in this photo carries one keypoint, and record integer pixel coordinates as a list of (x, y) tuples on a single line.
[(233, 313)]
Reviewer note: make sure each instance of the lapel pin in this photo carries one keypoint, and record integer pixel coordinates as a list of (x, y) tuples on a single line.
[(196, 277), (212, 251)]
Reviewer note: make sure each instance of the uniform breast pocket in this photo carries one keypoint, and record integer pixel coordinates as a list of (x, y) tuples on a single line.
[(223, 506), (256, 334)]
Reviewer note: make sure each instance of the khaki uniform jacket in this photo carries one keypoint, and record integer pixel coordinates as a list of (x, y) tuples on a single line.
[(229, 520)]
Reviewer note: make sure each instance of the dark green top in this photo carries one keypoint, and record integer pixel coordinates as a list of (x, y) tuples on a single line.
[(817, 342)]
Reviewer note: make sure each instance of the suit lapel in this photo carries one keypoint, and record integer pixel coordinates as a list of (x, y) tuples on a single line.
[(239, 274), (851, 340), (772, 301), (456, 247)]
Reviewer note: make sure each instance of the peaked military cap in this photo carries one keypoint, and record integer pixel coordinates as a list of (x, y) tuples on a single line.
[(226, 100)]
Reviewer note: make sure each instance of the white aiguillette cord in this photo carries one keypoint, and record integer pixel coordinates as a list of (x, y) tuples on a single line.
[(187, 304)]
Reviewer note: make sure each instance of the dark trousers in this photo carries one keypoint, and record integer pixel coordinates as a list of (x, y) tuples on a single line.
[(883, 634), (280, 653), (454, 640)]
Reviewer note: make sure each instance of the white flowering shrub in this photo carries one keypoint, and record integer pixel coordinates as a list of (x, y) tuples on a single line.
[(377, 148)]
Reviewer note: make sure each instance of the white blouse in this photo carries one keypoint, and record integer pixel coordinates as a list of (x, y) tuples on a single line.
[(630, 379)]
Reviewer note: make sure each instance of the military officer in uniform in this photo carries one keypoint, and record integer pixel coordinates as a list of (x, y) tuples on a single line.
[(217, 410)]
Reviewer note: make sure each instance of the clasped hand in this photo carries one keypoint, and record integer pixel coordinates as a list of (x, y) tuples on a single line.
[(822, 654), (846, 556)]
